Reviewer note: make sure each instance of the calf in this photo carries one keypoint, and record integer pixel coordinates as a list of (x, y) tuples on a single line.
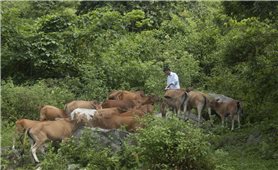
[(85, 112), (175, 99), (69, 107), (231, 108), (48, 112), (21, 126), (52, 130), (126, 95), (199, 101), (111, 111), (115, 121)]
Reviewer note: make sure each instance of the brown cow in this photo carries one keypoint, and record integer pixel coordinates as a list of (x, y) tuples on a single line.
[(181, 100), (231, 108), (126, 95), (111, 111), (52, 130), (115, 121), (147, 108), (133, 112), (48, 112), (124, 104), (175, 99), (199, 101), (21, 126), (69, 107)]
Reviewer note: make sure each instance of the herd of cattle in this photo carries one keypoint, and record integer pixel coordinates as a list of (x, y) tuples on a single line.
[(122, 108)]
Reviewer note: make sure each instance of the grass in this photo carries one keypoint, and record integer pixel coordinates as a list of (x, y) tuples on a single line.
[(259, 154), (239, 159)]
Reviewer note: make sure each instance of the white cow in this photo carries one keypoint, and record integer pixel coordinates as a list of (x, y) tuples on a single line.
[(88, 112)]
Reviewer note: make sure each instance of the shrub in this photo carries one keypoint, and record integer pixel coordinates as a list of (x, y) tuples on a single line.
[(25, 101), (169, 144), (84, 151)]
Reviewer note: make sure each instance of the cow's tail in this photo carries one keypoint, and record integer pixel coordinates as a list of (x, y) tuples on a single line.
[(30, 135), (184, 104), (239, 108), (206, 102)]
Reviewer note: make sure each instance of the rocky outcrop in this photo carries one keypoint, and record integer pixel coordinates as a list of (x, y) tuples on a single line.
[(108, 138)]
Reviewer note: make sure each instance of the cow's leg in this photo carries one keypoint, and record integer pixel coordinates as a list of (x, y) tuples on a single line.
[(233, 121), (222, 120), (33, 151), (210, 118), (199, 110), (39, 140), (186, 112), (176, 111)]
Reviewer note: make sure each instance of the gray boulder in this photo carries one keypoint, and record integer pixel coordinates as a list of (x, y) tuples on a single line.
[(107, 138)]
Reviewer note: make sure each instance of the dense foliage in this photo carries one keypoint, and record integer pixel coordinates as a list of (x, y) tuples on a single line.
[(53, 52), (179, 146)]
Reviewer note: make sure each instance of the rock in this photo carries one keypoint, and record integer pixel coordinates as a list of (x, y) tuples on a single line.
[(108, 138), (221, 97)]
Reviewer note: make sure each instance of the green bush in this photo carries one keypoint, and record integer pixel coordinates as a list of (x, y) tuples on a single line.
[(169, 144), (86, 152), (25, 101), (162, 144)]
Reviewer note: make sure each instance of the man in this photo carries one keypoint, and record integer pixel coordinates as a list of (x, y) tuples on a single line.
[(172, 79)]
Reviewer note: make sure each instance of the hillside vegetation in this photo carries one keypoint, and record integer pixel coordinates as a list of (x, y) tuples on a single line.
[(53, 52)]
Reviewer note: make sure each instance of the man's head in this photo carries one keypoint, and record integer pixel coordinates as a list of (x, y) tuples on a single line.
[(166, 70)]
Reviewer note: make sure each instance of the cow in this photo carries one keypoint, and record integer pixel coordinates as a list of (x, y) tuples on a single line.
[(48, 112), (198, 100), (147, 108), (21, 126), (126, 95), (52, 130), (124, 104), (175, 99), (112, 111), (86, 112), (114, 121), (183, 100), (69, 107), (227, 108), (133, 112)]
